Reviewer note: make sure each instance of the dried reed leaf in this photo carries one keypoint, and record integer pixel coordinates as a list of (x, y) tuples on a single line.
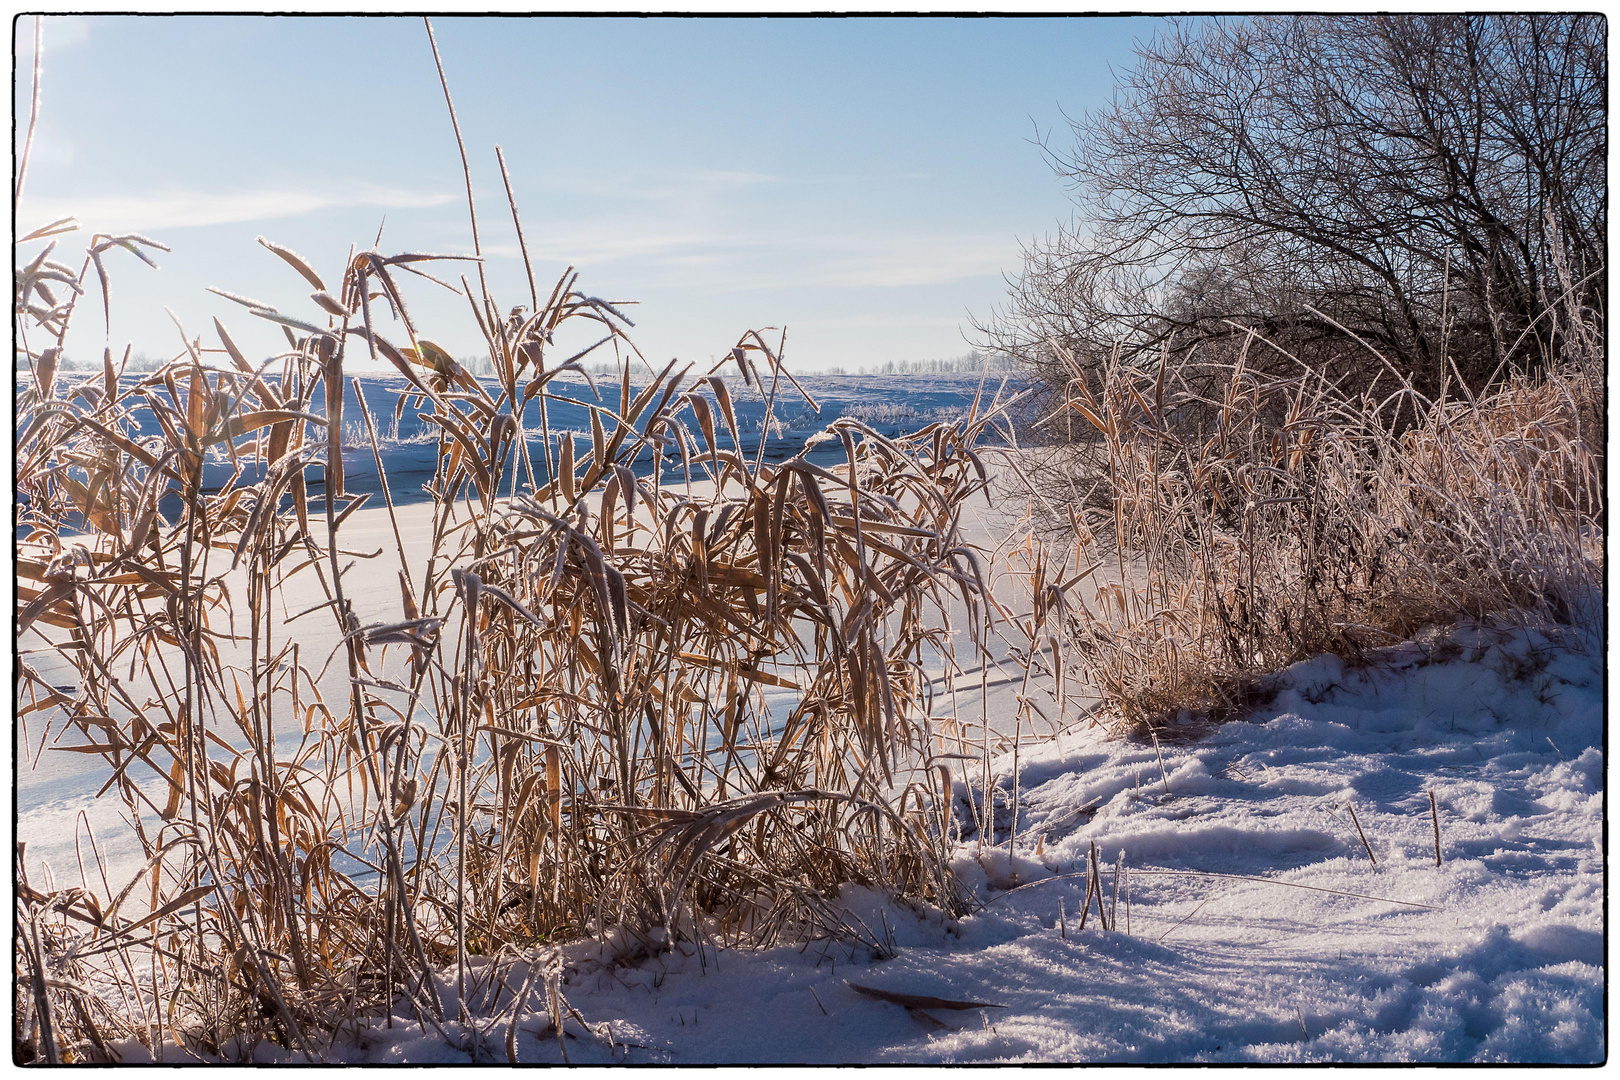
[(294, 260)]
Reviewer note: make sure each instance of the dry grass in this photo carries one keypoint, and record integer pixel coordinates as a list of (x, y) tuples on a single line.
[(1278, 518), (606, 704), (566, 731), (609, 705)]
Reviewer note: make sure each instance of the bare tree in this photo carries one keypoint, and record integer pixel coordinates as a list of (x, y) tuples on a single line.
[(1433, 185)]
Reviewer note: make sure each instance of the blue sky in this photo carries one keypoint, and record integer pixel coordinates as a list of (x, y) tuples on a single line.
[(866, 182)]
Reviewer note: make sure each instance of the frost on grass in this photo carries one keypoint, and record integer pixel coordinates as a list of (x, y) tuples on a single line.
[(1495, 955)]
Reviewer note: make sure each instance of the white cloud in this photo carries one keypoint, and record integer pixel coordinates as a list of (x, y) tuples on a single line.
[(183, 209), (898, 321), (688, 186), (732, 178), (896, 261), (602, 242), (717, 229), (752, 260)]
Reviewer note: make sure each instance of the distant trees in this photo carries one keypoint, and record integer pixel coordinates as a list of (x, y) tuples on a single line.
[(1434, 185), (973, 362)]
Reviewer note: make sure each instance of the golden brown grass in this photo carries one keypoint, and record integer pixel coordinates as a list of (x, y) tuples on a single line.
[(605, 705), (1279, 518), (565, 731)]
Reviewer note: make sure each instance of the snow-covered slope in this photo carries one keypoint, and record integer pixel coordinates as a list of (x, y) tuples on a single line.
[(1252, 924)]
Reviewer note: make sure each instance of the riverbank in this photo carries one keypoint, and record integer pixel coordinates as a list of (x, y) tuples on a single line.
[(1252, 922), (1268, 891)]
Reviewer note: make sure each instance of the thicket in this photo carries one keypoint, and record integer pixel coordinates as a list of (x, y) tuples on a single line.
[(1324, 348), (1303, 520), (1429, 188)]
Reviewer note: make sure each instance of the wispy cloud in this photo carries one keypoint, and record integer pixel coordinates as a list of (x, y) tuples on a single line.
[(750, 260), (902, 260), (186, 209), (740, 230), (694, 185), (619, 241), (903, 320), (863, 178)]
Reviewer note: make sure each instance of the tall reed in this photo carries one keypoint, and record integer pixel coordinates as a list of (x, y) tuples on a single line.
[(1276, 517), (609, 702), (613, 698)]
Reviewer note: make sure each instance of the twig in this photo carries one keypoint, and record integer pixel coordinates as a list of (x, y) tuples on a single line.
[(33, 114), (1085, 907), (1434, 816), (1189, 915), (466, 169), (523, 248), (1233, 877), (1097, 887), (1163, 775), (1012, 830), (1113, 907), (1360, 833), (1127, 901)]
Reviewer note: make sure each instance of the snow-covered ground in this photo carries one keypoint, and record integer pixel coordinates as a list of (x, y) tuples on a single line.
[(1252, 925)]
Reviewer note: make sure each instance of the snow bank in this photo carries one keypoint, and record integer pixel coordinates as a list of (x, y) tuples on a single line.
[(1495, 955)]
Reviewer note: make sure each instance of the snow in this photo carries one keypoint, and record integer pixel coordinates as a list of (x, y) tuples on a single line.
[(1252, 925), (889, 404)]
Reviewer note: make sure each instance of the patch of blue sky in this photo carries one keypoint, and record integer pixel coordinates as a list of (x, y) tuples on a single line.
[(865, 182)]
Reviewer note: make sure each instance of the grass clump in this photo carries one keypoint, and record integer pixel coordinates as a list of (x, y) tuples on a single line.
[(1277, 518), (607, 702)]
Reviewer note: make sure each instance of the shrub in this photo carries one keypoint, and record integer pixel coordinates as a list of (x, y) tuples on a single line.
[(1419, 183), (1301, 520)]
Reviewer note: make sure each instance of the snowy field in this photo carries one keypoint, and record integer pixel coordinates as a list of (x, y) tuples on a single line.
[(889, 404), (1251, 924)]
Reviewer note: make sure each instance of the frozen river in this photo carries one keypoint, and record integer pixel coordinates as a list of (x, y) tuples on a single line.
[(57, 790)]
